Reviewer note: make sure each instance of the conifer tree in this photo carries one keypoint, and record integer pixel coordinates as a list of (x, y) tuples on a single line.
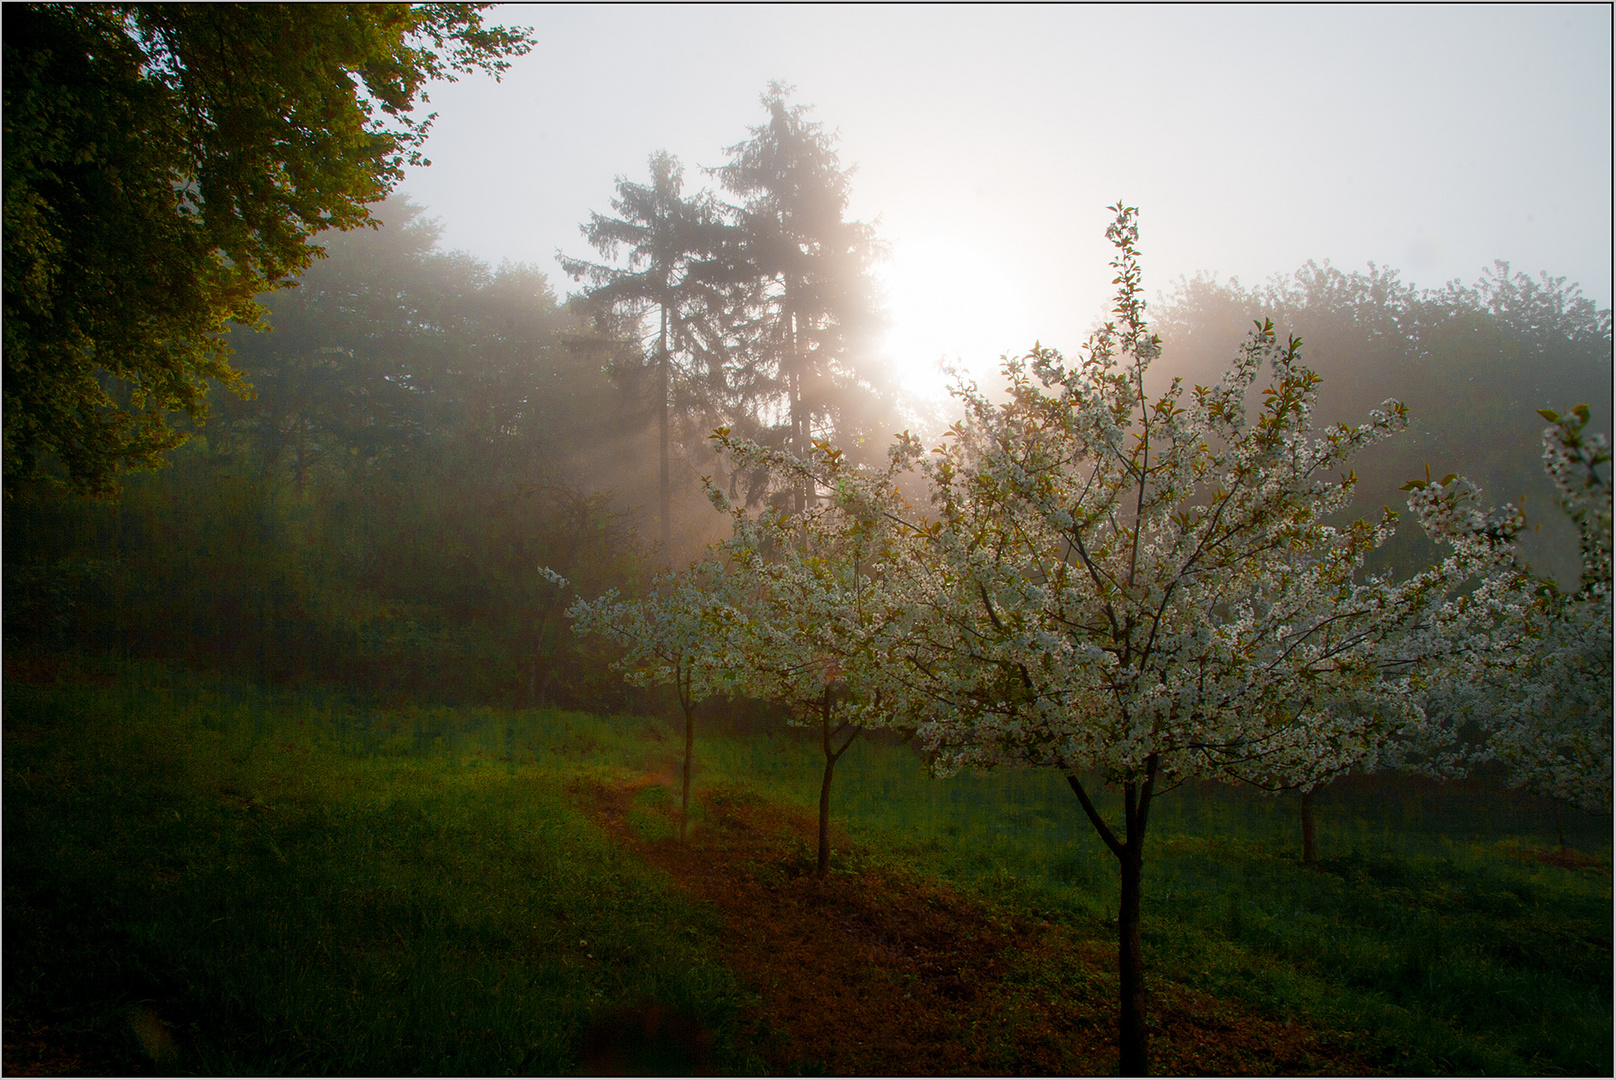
[(672, 297), (814, 308)]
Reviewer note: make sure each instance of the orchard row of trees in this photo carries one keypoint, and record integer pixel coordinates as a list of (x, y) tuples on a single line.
[(425, 430), (1150, 584)]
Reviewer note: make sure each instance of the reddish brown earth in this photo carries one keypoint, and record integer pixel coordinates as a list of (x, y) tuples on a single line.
[(878, 972), (1564, 858), (874, 972)]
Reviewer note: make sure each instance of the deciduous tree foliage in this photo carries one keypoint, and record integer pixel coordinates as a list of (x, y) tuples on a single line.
[(1471, 362), (421, 441), (1149, 587), (825, 596), (164, 165), (1543, 699)]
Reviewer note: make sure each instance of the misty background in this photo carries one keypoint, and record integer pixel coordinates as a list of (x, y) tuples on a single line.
[(988, 141), (440, 410)]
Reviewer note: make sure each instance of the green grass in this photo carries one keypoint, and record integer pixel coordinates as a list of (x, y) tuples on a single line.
[(288, 904), (298, 884), (1421, 929)]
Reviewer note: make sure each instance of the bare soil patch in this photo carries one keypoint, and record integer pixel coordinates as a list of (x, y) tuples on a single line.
[(879, 972), (1565, 858)]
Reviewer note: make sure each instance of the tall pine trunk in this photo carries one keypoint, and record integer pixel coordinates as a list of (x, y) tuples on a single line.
[(662, 417), (800, 433)]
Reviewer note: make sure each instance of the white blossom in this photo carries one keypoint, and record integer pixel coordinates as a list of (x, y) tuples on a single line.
[(1537, 676)]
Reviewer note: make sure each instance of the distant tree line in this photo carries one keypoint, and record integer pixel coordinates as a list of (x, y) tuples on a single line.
[(426, 430), (420, 439), (1473, 363)]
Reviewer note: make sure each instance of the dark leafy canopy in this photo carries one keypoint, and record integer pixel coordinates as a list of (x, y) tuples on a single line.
[(164, 164), (422, 439)]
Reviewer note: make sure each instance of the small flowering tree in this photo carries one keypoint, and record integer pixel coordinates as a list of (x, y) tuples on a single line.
[(823, 603), (1153, 588), (1543, 703), (677, 634)]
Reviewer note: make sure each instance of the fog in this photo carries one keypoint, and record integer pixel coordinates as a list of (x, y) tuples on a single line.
[(431, 646), (431, 423), (988, 142)]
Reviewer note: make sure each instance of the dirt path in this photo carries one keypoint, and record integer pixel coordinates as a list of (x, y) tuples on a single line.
[(878, 973)]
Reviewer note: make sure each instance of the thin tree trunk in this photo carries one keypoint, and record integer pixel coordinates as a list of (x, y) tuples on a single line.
[(690, 750), (538, 659), (823, 866), (1132, 1035), (1559, 825), (1309, 851), (662, 355), (831, 756)]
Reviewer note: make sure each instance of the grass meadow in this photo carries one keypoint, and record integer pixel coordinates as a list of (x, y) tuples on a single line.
[(204, 877)]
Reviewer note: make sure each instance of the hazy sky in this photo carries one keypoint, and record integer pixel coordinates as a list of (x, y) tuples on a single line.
[(988, 142)]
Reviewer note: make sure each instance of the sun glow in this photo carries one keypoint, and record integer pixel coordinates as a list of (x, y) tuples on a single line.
[(951, 303)]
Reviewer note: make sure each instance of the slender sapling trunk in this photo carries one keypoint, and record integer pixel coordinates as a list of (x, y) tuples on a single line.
[(690, 749), (1132, 1036), (831, 756), (1309, 851), (683, 683)]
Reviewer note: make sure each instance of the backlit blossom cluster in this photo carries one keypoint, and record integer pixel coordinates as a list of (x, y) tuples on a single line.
[(1540, 688), (828, 591), (681, 633), (1154, 586)]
